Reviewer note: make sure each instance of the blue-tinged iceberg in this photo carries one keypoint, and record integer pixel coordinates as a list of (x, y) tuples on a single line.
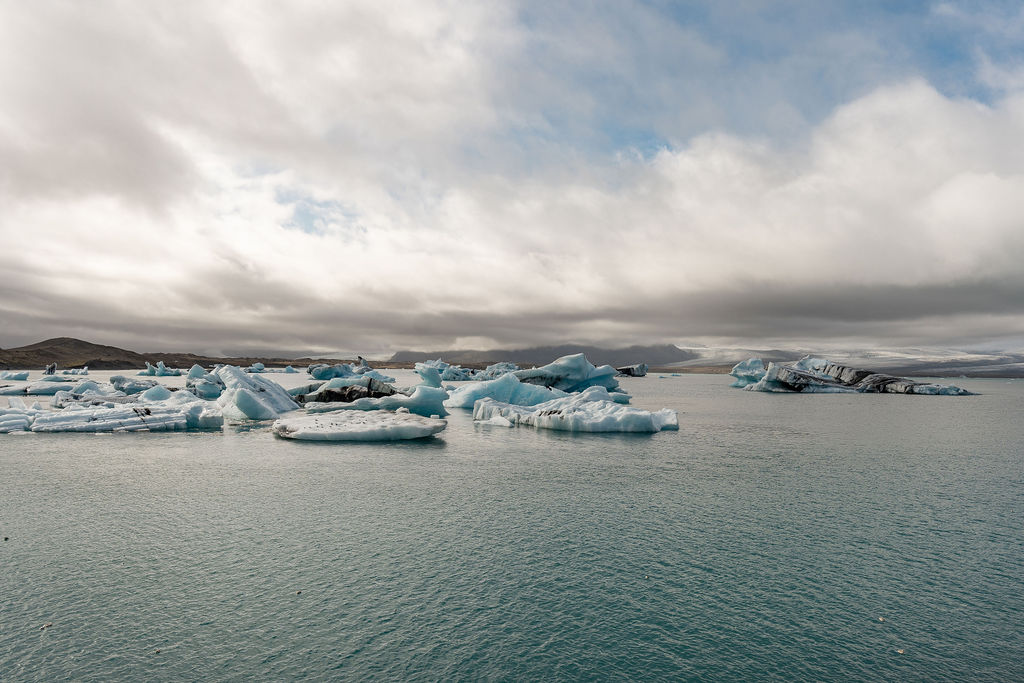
[(505, 389), (457, 373), (250, 397), (570, 374), (159, 370), (591, 410), (379, 425), (20, 376), (323, 371), (817, 375), (47, 387)]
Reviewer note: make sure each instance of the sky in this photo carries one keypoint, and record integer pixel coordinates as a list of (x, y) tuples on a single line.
[(367, 176)]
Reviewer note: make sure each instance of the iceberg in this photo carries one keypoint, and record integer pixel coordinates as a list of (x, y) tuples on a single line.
[(14, 376), (155, 418), (323, 371), (818, 375), (747, 372), (430, 375), (159, 370), (571, 374), (76, 371), (638, 370), (131, 386), (591, 410), (251, 397), (425, 401), (196, 372), (380, 425), (344, 390), (457, 373), (47, 387), (505, 389)]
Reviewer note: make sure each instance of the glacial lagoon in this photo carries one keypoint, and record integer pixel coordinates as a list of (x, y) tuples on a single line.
[(784, 536)]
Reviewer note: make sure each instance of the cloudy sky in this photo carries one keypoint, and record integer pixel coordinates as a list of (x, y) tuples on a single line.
[(374, 175)]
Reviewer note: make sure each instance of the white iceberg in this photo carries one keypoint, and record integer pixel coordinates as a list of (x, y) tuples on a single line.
[(425, 401), (505, 389), (159, 370), (136, 418), (591, 410), (323, 371), (47, 387), (571, 373), (14, 376), (747, 372), (131, 386), (379, 425), (251, 397)]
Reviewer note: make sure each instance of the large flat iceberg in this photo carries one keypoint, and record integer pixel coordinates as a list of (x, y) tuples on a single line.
[(591, 410), (379, 425), (817, 375)]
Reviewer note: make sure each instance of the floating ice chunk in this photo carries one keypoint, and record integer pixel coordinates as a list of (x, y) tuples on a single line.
[(131, 386), (196, 372), (570, 373), (157, 393), (505, 389), (817, 375), (323, 371), (747, 372), (379, 425), (638, 370), (430, 375), (76, 371), (591, 410), (159, 370), (153, 418), (344, 390), (495, 371), (497, 421), (49, 387), (425, 401), (251, 397), (14, 376), (11, 421)]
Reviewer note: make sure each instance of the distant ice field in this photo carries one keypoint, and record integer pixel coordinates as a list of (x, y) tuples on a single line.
[(783, 536)]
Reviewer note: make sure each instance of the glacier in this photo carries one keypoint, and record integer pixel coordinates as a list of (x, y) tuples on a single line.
[(379, 425), (818, 375), (591, 410)]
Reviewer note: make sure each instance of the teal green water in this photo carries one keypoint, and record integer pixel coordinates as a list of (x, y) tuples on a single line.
[(764, 540)]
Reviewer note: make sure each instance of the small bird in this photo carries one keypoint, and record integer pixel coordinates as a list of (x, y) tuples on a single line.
[(881, 618), (899, 652)]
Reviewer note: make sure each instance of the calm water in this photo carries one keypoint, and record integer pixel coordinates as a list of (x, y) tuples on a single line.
[(764, 540)]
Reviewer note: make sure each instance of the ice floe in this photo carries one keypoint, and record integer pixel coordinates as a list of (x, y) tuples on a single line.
[(379, 425), (817, 375), (591, 410)]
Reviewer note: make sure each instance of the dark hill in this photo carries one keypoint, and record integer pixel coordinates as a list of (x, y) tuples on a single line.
[(659, 355), (67, 352)]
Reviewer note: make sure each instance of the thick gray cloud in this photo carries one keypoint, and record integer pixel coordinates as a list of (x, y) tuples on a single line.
[(370, 176)]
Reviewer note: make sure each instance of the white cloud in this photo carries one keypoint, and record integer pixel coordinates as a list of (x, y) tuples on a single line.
[(156, 162)]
